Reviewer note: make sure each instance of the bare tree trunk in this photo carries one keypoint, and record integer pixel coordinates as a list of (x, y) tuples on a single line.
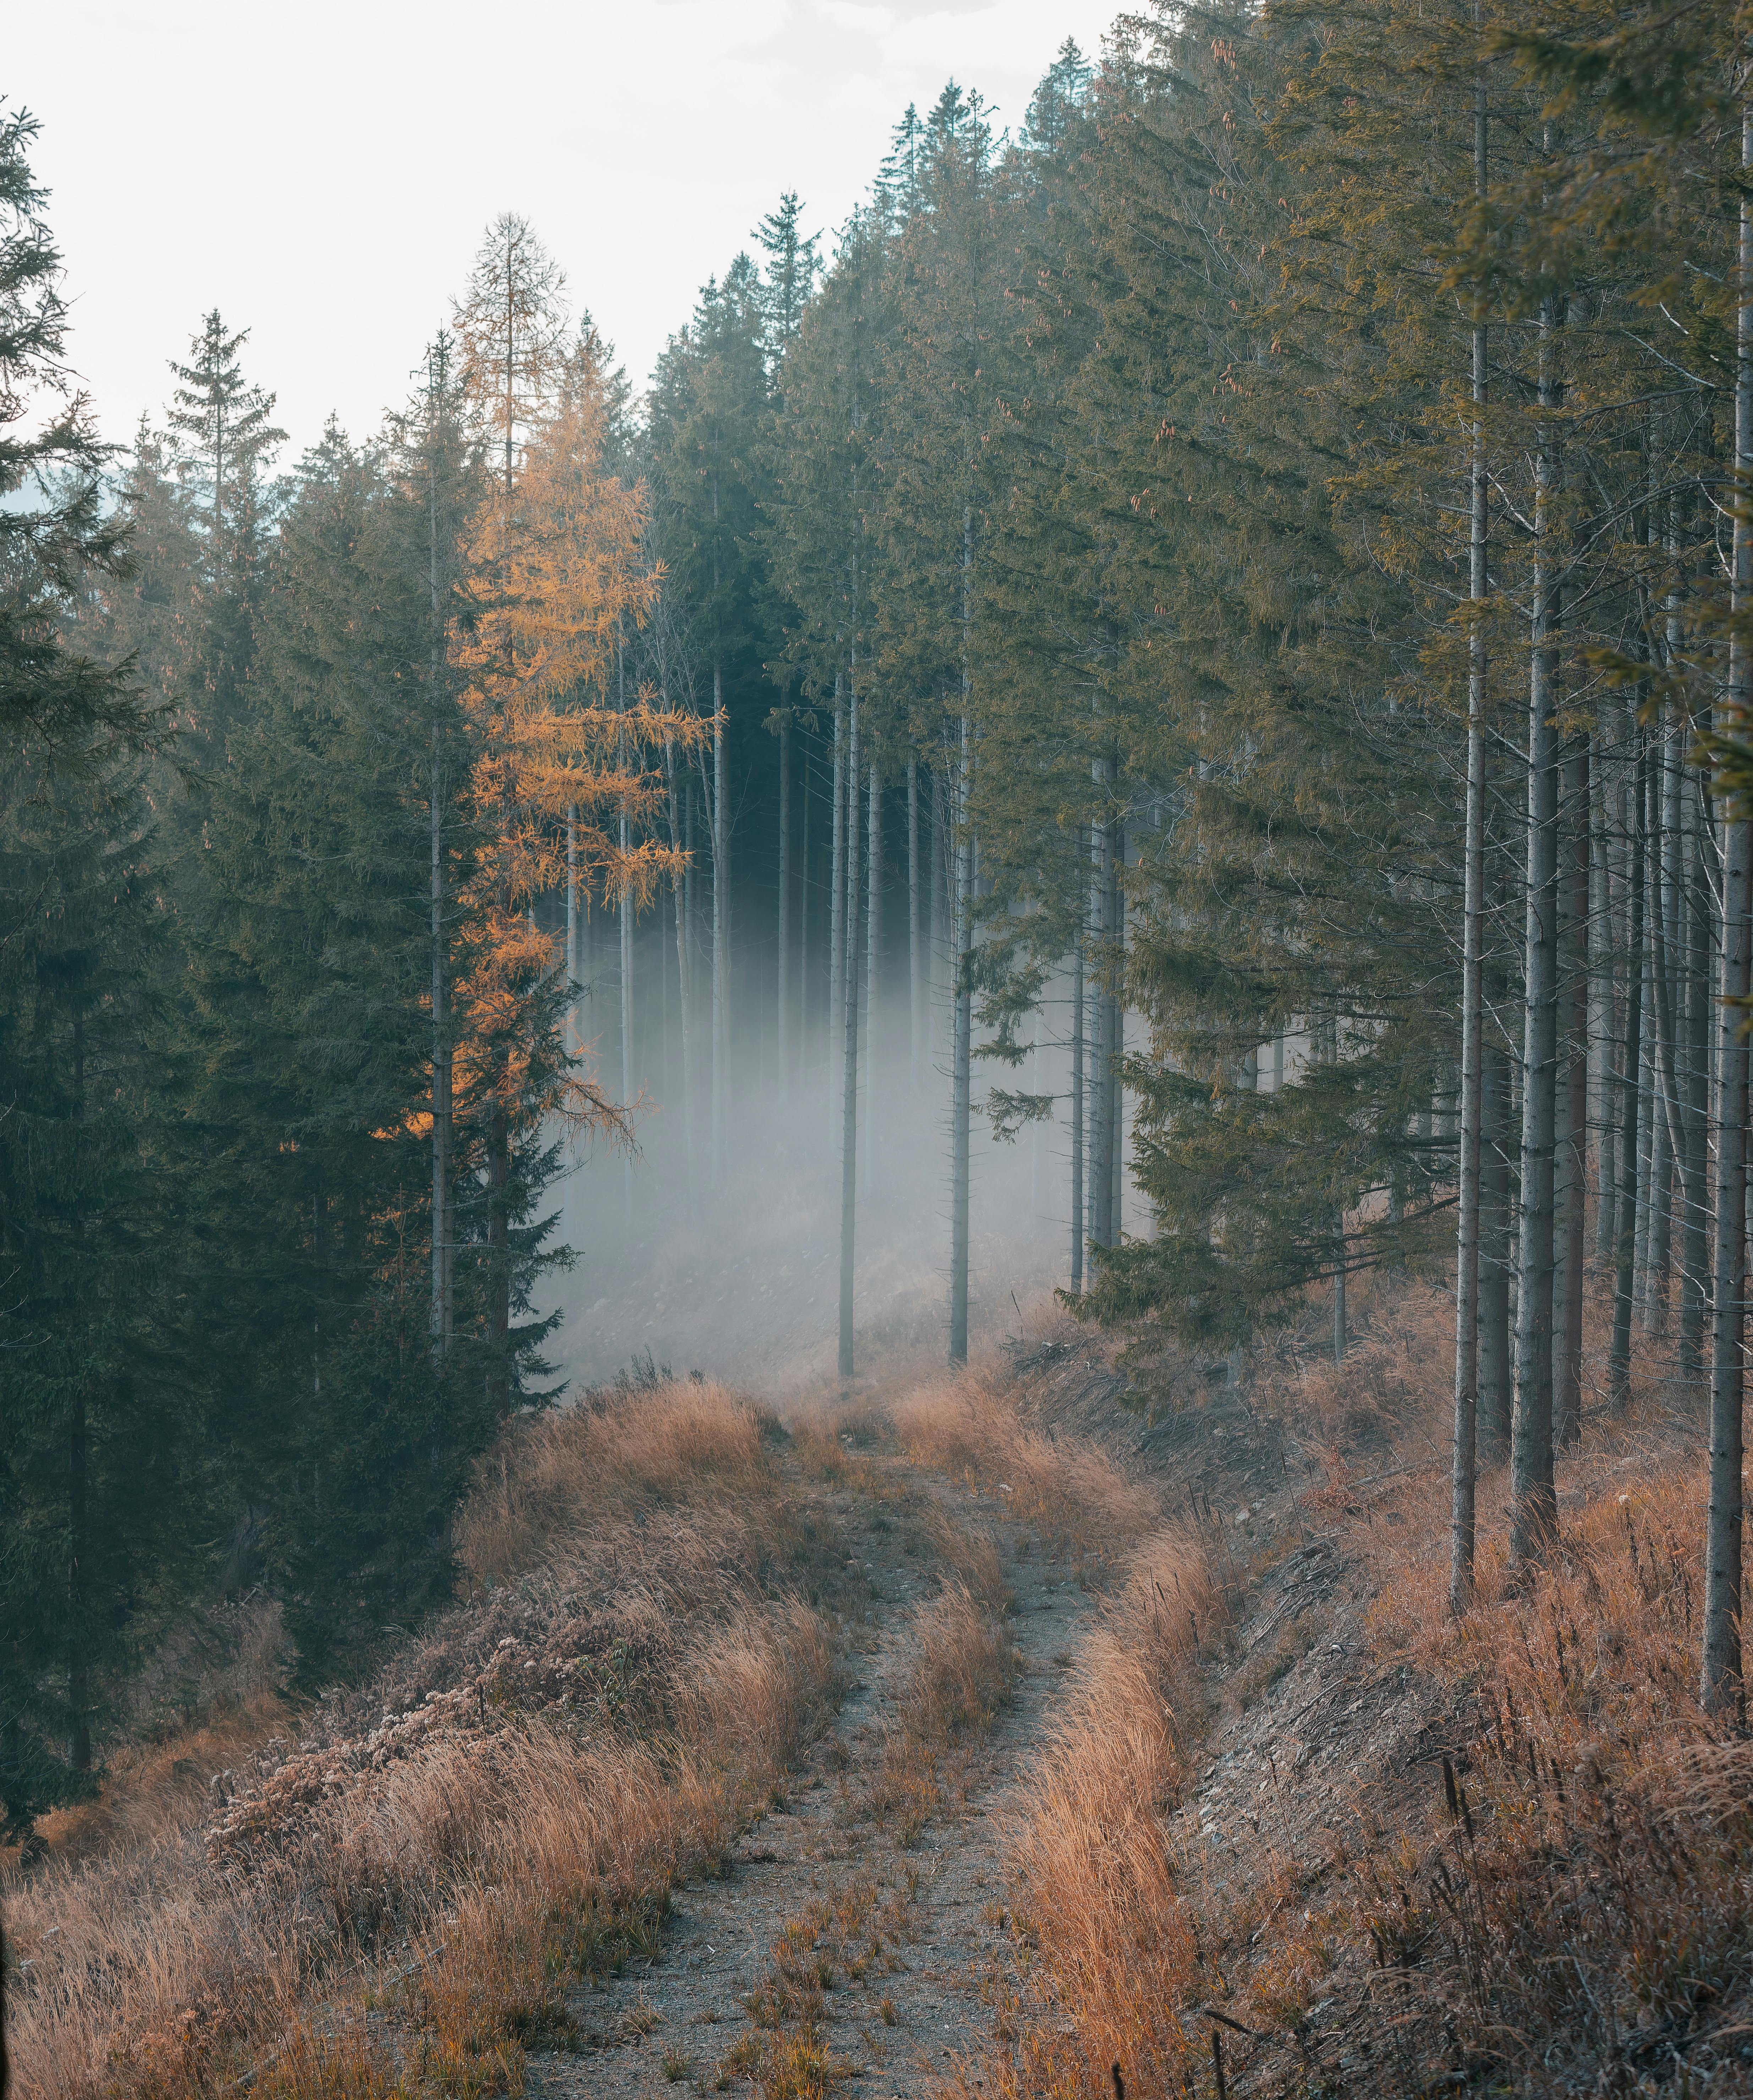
[(1694, 1263), (721, 935), (1496, 1361), (624, 917), (678, 888), (1603, 977), (1662, 1106), (961, 1086), (1534, 1500), (836, 915), (1117, 1044), (1101, 1076), (785, 957), (942, 883), (1570, 1177), (1464, 1471), (442, 1318), (849, 1104), (443, 1297), (78, 1685), (960, 1105), (1723, 1684), (916, 987), (873, 958), (803, 928), (1037, 1132), (1619, 1353), (1077, 1097)]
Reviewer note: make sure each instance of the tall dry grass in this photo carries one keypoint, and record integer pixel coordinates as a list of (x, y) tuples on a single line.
[(507, 1804), (967, 1425), (1085, 1841), (1568, 1906)]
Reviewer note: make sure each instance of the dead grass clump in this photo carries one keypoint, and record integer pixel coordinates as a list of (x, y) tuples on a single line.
[(973, 1556), (552, 1477), (962, 1673), (968, 1426), (1087, 1847)]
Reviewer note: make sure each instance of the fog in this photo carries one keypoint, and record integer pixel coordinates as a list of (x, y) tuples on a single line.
[(740, 1280)]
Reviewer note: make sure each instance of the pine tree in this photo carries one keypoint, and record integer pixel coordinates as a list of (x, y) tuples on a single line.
[(228, 437), (56, 529)]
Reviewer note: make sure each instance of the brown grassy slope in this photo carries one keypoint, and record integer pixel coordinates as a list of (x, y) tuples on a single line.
[(394, 1901), (1242, 1829), (1505, 1852)]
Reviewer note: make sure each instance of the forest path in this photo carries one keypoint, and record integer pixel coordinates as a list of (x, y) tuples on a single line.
[(902, 1931)]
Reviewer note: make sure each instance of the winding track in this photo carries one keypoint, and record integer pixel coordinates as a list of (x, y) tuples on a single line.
[(937, 1905)]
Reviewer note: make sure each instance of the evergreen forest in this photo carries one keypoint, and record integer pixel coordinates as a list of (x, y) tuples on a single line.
[(1186, 672)]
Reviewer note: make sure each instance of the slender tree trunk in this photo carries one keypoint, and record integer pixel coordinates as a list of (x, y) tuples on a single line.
[(960, 1106), (962, 1103), (1077, 1098), (1464, 1476), (1037, 1132), (1660, 1111), (1606, 1016), (849, 1106), (873, 956), (1496, 1359), (1534, 1507), (942, 883), (721, 934), (1570, 1178), (1117, 1043), (916, 986), (499, 1255), (836, 959), (442, 1317), (1694, 1268), (78, 1546), (1619, 1353), (679, 881), (1101, 1077), (1722, 1680), (784, 959), (625, 916), (1646, 1100), (803, 928)]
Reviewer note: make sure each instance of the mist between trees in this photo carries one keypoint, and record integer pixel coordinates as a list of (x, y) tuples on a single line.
[(1164, 712)]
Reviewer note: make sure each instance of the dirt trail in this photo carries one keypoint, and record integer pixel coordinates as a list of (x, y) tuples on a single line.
[(905, 1936)]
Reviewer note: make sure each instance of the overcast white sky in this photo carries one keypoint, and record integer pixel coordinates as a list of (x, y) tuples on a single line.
[(322, 172)]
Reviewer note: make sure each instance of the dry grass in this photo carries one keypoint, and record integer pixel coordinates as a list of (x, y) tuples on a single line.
[(968, 1426), (1095, 1887), (850, 1939), (961, 1677), (507, 1807), (1568, 1906), (553, 1479)]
